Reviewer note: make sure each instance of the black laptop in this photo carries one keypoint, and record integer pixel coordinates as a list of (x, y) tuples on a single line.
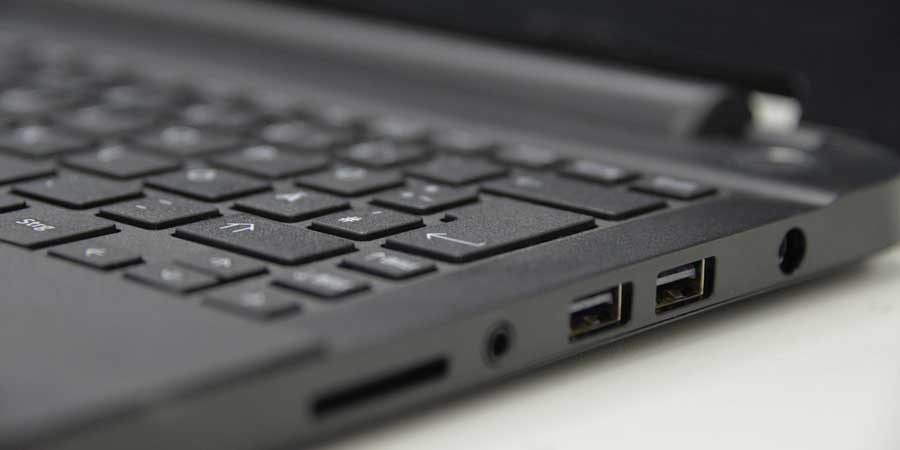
[(249, 224)]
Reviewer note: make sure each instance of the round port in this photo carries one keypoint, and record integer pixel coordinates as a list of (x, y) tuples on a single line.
[(791, 251), (499, 342)]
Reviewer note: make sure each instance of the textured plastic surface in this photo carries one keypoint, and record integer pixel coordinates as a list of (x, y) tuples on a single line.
[(80, 352)]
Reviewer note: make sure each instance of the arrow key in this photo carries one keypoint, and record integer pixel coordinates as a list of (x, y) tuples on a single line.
[(97, 255)]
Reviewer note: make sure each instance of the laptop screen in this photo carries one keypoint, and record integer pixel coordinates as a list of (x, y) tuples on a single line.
[(839, 58)]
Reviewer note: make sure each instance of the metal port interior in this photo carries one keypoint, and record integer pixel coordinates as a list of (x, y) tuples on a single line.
[(684, 284), (597, 312)]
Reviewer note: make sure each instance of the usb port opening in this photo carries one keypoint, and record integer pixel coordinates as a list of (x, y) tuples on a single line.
[(685, 284), (600, 311)]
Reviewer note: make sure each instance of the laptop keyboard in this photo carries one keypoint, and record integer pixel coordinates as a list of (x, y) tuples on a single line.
[(298, 205)]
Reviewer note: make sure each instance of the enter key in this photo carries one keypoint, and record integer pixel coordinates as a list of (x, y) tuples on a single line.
[(491, 228)]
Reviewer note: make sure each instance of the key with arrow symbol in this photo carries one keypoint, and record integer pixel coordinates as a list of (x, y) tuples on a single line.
[(238, 227), (443, 236), (265, 239), (488, 229)]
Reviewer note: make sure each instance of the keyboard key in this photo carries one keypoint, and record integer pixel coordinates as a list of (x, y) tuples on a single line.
[(40, 140), (105, 70), (334, 116), (397, 129), (225, 115), (321, 283), (11, 72), (37, 228), (106, 120), (268, 161), (261, 238), (598, 172), (291, 206), (462, 142), (426, 198), (185, 141), (366, 224), (382, 154), (120, 161), (389, 264), (528, 156), (142, 96), (222, 266), (457, 170), (171, 278), (64, 78), (12, 69), (575, 196), (258, 304), (77, 191), (351, 181), (157, 212), (14, 169), (70, 71), (9, 203), (52, 54), (34, 101), (489, 229), (211, 185), (305, 136), (97, 255), (673, 188)]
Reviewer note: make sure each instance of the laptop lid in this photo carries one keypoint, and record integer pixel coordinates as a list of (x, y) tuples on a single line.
[(838, 59)]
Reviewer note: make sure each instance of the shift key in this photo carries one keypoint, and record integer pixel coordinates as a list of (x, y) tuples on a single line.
[(265, 239), (497, 226)]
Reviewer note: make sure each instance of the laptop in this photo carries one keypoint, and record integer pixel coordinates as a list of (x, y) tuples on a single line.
[(251, 224)]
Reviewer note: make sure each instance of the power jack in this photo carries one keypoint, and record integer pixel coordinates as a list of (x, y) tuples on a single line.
[(499, 343)]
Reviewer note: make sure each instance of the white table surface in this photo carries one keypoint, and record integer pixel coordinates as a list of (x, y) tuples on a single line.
[(812, 367)]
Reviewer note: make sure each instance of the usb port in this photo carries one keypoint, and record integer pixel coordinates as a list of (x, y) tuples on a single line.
[(684, 285), (597, 312)]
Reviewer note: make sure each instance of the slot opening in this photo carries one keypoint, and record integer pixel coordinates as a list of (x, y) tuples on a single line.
[(600, 311), (499, 342), (394, 383), (685, 284), (791, 251)]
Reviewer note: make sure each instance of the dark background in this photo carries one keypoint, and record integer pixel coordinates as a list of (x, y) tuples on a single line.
[(841, 59)]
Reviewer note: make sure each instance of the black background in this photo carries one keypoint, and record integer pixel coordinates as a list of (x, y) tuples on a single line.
[(841, 59)]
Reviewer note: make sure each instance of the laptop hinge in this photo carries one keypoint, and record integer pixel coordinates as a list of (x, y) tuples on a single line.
[(777, 122), (773, 113)]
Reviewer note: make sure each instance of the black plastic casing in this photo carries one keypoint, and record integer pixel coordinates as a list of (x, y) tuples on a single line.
[(91, 361)]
